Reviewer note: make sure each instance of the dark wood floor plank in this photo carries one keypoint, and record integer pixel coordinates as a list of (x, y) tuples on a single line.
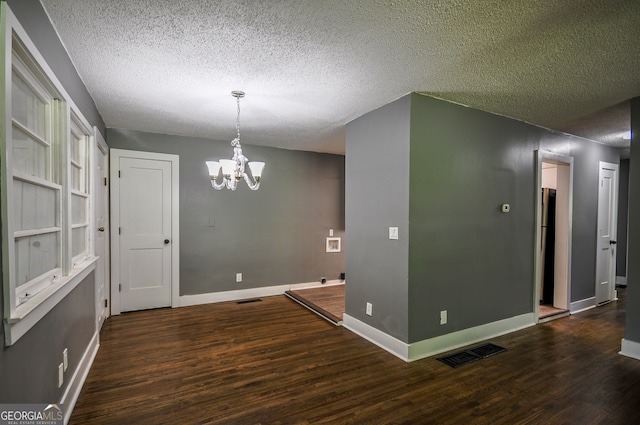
[(273, 362), (328, 301)]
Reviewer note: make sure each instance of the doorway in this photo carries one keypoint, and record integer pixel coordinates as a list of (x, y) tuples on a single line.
[(554, 200), (145, 236)]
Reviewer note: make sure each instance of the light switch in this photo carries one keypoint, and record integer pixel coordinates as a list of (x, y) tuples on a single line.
[(393, 233), (330, 232)]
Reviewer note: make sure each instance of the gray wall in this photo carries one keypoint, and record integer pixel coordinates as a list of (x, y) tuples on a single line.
[(29, 368), (36, 23), (632, 322), (274, 236), (623, 214), (464, 255), (377, 197)]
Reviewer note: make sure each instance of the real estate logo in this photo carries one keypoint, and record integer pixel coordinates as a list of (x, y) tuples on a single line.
[(31, 414)]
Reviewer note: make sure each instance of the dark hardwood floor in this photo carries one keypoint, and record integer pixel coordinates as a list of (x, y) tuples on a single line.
[(328, 301), (274, 362)]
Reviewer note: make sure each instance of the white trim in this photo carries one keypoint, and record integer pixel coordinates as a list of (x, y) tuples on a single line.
[(432, 346), (18, 234), (375, 336), (243, 294), (440, 344), (17, 175), (582, 305), (630, 349), (72, 392), (100, 145), (621, 280), (114, 162), (308, 285), (31, 311)]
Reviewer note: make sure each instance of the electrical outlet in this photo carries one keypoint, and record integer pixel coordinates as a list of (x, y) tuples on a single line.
[(238, 277), (443, 317), (65, 359), (60, 375), (369, 310)]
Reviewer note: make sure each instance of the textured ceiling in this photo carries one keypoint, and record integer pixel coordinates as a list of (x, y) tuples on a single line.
[(310, 66)]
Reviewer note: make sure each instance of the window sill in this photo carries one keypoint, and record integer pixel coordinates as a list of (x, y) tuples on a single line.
[(31, 311)]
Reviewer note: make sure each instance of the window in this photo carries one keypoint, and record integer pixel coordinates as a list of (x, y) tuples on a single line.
[(36, 193), (45, 148), (79, 161)]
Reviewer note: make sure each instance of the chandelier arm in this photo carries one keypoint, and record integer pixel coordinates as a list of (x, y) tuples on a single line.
[(252, 185), (216, 185), (231, 183)]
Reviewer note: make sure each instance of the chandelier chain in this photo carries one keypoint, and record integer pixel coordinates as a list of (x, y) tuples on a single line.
[(238, 118)]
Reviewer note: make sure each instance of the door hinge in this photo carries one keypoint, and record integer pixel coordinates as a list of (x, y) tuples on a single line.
[(105, 181), (119, 173), (119, 230), (106, 303), (120, 287)]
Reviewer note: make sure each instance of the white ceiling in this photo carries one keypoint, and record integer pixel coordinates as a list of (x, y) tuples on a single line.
[(311, 66)]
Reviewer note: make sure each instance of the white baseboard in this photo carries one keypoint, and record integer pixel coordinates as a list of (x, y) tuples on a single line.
[(440, 344), (375, 336), (243, 294), (71, 394), (621, 280), (630, 349), (582, 305)]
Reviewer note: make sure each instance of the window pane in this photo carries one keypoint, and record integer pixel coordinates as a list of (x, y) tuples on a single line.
[(76, 176), (27, 107), (29, 156), (76, 148), (79, 242), (35, 207), (78, 209), (36, 255)]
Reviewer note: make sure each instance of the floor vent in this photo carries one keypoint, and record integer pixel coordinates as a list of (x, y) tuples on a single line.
[(471, 355), (253, 300)]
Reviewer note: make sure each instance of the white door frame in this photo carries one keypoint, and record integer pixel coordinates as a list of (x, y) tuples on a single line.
[(614, 220), (101, 145), (542, 156), (116, 154)]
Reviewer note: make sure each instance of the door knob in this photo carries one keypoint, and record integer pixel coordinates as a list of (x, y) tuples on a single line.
[(101, 229), (613, 242), (166, 241)]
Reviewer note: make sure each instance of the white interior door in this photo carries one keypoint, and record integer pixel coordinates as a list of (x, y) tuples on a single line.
[(145, 241), (101, 211), (607, 213)]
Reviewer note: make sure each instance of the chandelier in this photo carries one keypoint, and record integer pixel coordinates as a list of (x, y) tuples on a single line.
[(233, 169)]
